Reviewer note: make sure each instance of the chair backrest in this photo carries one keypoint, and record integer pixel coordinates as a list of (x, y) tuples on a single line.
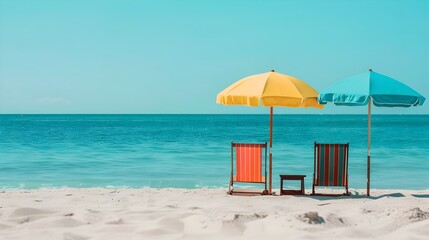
[(249, 161), (331, 164)]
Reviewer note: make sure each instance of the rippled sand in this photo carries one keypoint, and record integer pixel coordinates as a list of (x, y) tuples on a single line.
[(96, 213)]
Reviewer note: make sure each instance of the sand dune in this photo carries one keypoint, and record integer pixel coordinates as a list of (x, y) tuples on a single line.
[(79, 214)]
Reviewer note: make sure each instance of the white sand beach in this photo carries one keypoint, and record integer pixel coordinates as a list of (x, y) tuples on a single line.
[(99, 213)]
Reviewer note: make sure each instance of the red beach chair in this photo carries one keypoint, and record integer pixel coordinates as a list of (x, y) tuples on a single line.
[(249, 166), (331, 165)]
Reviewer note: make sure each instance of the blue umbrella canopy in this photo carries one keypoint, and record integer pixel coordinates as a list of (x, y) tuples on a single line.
[(384, 91), (364, 88)]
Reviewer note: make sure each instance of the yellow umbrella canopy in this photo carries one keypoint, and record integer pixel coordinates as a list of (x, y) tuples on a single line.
[(270, 89)]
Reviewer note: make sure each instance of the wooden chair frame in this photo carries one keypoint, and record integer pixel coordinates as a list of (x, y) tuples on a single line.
[(346, 185), (231, 189)]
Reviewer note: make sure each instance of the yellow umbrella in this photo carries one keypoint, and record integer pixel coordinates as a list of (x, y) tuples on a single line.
[(270, 89)]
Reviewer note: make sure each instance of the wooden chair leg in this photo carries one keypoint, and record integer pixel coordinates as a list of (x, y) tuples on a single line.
[(231, 183)]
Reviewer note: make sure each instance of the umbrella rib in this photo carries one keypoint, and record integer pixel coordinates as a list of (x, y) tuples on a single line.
[(292, 83), (302, 96), (239, 84)]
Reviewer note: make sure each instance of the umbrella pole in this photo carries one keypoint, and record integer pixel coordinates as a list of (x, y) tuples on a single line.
[(369, 148), (271, 153)]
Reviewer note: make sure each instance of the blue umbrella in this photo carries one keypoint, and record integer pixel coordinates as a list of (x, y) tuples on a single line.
[(371, 87)]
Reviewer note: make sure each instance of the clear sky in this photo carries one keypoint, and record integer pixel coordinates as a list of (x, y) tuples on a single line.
[(175, 56)]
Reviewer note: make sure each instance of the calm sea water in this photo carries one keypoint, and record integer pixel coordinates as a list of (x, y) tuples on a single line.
[(192, 151)]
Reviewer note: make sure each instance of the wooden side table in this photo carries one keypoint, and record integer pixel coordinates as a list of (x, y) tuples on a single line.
[(292, 177)]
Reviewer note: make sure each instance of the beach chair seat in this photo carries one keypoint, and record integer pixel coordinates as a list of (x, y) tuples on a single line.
[(248, 165), (235, 179), (331, 166)]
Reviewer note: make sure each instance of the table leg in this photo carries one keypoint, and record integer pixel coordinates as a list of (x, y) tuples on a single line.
[(281, 186), (302, 187)]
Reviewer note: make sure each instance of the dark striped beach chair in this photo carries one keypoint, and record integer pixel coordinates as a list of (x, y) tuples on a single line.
[(331, 166), (250, 166)]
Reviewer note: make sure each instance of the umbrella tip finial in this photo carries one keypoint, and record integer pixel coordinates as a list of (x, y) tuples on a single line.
[(272, 70), (370, 69)]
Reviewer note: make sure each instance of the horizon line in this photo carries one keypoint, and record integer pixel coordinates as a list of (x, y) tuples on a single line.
[(212, 114)]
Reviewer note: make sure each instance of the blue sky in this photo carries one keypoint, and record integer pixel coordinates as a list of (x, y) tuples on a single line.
[(175, 56)]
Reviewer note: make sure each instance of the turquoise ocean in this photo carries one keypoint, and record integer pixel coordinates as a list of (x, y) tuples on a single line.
[(193, 151)]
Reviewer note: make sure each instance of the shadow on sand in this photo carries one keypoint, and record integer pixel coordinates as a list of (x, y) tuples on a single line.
[(420, 195), (356, 195)]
